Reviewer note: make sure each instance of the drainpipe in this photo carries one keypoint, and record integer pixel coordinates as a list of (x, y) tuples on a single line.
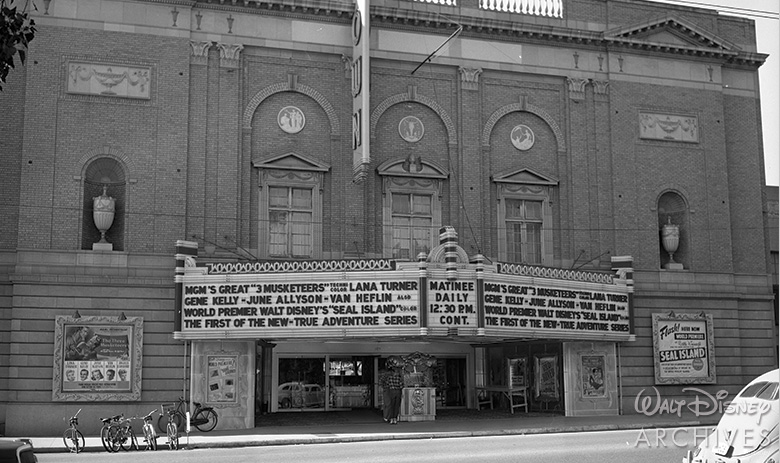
[(620, 380)]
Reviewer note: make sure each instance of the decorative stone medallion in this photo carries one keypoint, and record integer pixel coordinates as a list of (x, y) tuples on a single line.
[(291, 119), (411, 129), (522, 137)]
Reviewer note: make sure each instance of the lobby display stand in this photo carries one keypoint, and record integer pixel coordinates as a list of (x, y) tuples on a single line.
[(418, 404)]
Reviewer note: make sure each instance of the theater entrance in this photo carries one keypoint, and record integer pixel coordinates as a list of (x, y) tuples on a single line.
[(330, 382)]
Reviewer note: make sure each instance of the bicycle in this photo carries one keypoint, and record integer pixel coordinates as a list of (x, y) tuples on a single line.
[(72, 437), (108, 423), (172, 431), (121, 435), (150, 436), (204, 418)]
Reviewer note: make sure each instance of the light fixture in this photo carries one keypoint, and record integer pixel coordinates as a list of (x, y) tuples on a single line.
[(122, 317), (77, 315)]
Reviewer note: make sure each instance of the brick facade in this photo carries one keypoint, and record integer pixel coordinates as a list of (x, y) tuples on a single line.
[(189, 148)]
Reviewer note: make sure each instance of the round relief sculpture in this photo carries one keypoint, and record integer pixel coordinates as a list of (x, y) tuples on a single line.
[(291, 119), (411, 129), (522, 137)]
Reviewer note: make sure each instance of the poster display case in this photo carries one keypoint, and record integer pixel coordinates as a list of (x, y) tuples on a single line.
[(97, 358), (683, 348)]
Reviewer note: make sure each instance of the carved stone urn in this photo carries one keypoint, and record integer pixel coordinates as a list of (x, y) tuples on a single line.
[(103, 207), (670, 238)]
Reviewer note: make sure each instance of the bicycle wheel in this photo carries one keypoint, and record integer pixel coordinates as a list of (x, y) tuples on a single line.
[(162, 421), (128, 441), (150, 437), (74, 440), (173, 436), (104, 438), (210, 417), (115, 436)]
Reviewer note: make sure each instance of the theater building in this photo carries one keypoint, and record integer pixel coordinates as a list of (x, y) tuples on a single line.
[(544, 206)]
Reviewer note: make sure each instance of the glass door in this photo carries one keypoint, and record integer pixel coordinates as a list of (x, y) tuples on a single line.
[(450, 381), (301, 384)]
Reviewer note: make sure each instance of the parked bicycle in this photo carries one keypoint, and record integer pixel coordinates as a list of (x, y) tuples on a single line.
[(121, 435), (172, 431), (74, 440), (108, 423), (204, 418), (150, 436)]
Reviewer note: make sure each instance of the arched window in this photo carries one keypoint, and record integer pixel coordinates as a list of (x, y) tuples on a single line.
[(290, 206), (525, 216), (411, 206), (673, 232), (104, 175)]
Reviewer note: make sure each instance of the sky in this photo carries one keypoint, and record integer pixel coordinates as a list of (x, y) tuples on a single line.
[(768, 41)]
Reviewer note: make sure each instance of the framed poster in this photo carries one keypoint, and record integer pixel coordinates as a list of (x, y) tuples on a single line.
[(546, 376), (97, 359), (222, 373), (683, 348), (516, 372), (592, 376)]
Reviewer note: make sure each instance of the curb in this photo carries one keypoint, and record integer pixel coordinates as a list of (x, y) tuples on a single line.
[(250, 442)]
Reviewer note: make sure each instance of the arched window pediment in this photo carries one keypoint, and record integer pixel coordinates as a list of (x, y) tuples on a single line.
[(524, 176), (291, 161), (408, 167)]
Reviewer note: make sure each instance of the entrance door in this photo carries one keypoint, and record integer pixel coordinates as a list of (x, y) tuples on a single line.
[(301, 384), (450, 380)]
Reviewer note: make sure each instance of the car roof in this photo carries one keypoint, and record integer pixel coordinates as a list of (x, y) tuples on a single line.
[(772, 376)]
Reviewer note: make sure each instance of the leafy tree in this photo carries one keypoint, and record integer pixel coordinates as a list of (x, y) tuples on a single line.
[(17, 30)]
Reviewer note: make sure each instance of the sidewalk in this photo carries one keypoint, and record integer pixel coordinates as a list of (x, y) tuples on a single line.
[(367, 425)]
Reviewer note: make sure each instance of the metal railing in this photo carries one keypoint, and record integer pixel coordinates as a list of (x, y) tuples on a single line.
[(549, 8)]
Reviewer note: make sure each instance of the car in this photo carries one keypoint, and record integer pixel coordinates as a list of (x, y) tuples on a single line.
[(748, 430), (298, 395), (17, 451)]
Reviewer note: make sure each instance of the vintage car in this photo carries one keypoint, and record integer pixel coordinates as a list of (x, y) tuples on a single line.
[(299, 395), (17, 451), (748, 430)]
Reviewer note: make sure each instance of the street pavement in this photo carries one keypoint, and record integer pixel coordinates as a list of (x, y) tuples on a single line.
[(367, 425)]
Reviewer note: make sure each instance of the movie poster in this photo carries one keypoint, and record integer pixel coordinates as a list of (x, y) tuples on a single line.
[(592, 376), (546, 376), (684, 348), (222, 377), (96, 357)]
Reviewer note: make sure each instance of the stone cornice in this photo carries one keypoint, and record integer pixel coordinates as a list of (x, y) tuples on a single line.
[(542, 31)]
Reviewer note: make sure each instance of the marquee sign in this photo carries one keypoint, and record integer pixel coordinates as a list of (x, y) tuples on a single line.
[(512, 306), (387, 298), (304, 307), (364, 304), (452, 303)]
